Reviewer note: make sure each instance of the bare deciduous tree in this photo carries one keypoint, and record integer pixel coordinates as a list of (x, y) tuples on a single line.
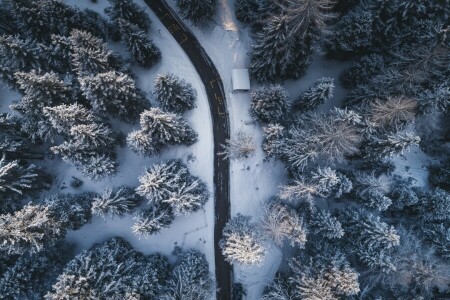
[(240, 146)]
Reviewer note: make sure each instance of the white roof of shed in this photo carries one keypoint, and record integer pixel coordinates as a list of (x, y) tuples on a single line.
[(241, 80)]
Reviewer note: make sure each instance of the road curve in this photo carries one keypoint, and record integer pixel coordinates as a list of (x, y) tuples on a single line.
[(221, 131)]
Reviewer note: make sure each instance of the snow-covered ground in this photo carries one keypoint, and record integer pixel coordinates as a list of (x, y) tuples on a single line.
[(192, 231)]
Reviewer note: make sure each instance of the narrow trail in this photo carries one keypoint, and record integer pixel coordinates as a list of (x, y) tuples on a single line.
[(221, 131)]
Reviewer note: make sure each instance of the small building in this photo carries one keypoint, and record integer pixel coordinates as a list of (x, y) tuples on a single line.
[(240, 79)]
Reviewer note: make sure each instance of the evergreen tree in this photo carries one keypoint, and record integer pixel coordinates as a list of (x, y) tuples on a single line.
[(171, 183), (241, 242), (159, 128), (326, 225), (114, 93), (112, 269), (141, 142), (197, 11), (362, 70), (128, 11), (116, 202), (246, 10), (142, 49), (269, 104), (152, 220), (64, 117), (72, 211), (391, 145), (8, 24), (29, 229), (19, 55), (373, 191), (435, 205), (32, 274), (317, 94), (190, 279), (273, 136), (439, 176), (99, 166), (174, 94), (439, 236)]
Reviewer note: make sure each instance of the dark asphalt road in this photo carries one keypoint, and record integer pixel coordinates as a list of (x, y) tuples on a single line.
[(221, 130)]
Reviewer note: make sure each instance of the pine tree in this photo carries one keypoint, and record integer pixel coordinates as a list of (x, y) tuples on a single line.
[(439, 236), (171, 183), (331, 183), (116, 202), (174, 94), (436, 205), (142, 49), (197, 11), (190, 278), (152, 220), (281, 223), (326, 225), (317, 94), (269, 104), (273, 137), (15, 178), (112, 269), (246, 10), (114, 93), (19, 55), (362, 70), (72, 211), (158, 129), (241, 243), (391, 145), (93, 135), (99, 166), (373, 191), (64, 117), (439, 175), (128, 11), (29, 229)]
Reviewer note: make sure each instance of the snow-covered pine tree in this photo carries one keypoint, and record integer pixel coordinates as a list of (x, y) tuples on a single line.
[(20, 55), (99, 166), (246, 10), (240, 146), (171, 183), (435, 205), (269, 104), (331, 183), (93, 135), (15, 178), (372, 191), (158, 129), (13, 143), (117, 201), (439, 236), (281, 223), (273, 138), (72, 210), (29, 229), (112, 269), (241, 242), (128, 11), (362, 70), (392, 144), (152, 220), (114, 93), (325, 225), (89, 55), (174, 94), (8, 25), (197, 11), (141, 48), (315, 95), (190, 278), (64, 117)]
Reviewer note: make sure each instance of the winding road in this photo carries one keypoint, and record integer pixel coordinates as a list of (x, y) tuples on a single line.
[(221, 131)]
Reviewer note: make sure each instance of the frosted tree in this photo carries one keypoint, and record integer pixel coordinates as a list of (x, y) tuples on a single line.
[(64, 117), (315, 95), (116, 202), (72, 211), (392, 144), (269, 103), (394, 113), (152, 220), (439, 236), (159, 128), (240, 146), (112, 269), (174, 94), (241, 242), (273, 139), (29, 229), (190, 278), (362, 70), (15, 178), (197, 11), (282, 223), (436, 205), (90, 55), (99, 166), (171, 183), (128, 11), (246, 10), (323, 224), (373, 191), (18, 54), (114, 93), (92, 135), (141, 48)]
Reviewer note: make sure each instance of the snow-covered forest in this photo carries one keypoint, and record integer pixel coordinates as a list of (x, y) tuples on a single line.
[(340, 152)]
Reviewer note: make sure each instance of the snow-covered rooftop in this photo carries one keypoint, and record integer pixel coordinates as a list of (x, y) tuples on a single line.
[(241, 80)]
